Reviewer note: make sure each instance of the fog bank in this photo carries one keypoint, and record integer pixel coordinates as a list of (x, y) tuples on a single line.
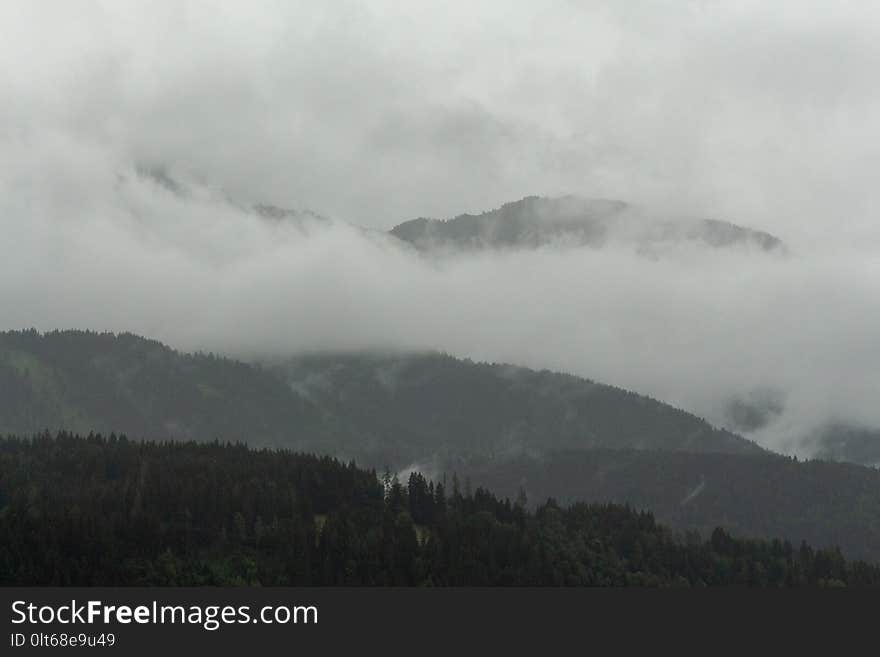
[(373, 113)]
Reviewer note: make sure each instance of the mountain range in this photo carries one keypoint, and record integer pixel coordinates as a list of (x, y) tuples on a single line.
[(381, 409), (519, 431), (531, 222), (516, 430)]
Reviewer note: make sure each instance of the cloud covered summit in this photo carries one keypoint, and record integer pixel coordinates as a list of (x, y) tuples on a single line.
[(373, 114)]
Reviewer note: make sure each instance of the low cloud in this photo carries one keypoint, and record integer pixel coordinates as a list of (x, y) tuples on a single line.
[(374, 113), (696, 326)]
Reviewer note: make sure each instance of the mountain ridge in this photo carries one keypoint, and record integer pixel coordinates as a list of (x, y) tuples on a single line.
[(528, 223), (499, 425), (384, 410), (571, 220)]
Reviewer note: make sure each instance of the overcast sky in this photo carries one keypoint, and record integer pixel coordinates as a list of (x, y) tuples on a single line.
[(376, 112), (763, 113)]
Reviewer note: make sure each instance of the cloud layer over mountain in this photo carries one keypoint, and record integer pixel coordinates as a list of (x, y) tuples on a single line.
[(374, 114), (380, 111)]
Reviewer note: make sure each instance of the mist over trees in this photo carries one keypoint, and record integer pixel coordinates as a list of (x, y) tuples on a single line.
[(384, 410), (545, 293), (504, 427), (132, 203)]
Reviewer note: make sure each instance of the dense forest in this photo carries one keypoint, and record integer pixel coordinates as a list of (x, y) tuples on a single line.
[(505, 427), (766, 495), (112, 511), (411, 407)]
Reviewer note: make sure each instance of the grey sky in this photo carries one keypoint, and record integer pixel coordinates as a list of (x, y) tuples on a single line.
[(382, 111), (766, 114)]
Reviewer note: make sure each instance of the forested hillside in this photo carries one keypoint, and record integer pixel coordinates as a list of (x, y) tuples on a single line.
[(109, 511), (503, 427), (765, 495), (407, 407), (381, 410), (89, 381)]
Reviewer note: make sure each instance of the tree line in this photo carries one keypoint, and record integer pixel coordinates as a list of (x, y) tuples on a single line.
[(95, 510)]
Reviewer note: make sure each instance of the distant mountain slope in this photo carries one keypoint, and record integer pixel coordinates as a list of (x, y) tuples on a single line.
[(286, 214), (498, 425), (752, 495), (529, 223), (104, 382), (574, 221), (184, 188), (838, 440), (407, 405), (841, 442), (382, 410)]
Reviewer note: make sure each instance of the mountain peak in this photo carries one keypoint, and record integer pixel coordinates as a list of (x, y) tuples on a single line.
[(575, 221)]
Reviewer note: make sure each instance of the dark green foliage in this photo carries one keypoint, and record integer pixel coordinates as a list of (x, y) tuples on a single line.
[(96, 511), (109, 510), (763, 495), (501, 425)]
